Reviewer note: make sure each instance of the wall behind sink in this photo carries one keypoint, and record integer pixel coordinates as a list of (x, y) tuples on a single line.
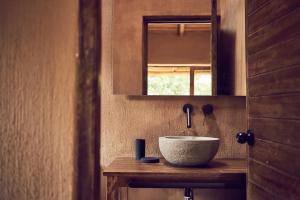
[(38, 42), (124, 119)]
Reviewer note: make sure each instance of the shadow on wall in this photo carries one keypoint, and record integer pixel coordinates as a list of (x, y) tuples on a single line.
[(213, 129), (212, 126), (226, 69)]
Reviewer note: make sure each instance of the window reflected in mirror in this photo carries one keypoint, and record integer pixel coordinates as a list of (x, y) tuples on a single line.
[(179, 80), (179, 58)]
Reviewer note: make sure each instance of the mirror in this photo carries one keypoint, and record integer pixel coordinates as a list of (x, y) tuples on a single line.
[(178, 57), (140, 68)]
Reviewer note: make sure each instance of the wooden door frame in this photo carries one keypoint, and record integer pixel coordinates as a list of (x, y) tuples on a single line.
[(87, 149)]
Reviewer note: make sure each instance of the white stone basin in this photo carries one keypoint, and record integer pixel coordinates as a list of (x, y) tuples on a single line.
[(188, 150)]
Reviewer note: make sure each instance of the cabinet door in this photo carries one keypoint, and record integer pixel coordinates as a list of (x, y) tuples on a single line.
[(273, 49)]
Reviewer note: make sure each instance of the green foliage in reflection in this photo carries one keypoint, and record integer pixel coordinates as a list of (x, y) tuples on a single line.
[(203, 84), (179, 84), (169, 85)]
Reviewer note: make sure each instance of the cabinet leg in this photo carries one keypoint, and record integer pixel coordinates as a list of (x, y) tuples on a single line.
[(112, 191)]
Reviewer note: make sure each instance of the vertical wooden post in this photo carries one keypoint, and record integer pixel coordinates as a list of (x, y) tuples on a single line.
[(88, 102), (192, 81), (112, 190), (214, 46)]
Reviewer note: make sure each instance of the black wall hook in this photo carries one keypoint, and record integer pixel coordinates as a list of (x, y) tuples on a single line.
[(207, 109)]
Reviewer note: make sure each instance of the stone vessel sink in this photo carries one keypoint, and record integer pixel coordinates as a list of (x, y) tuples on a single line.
[(188, 150)]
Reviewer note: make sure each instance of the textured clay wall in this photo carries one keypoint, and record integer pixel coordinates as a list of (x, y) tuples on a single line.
[(37, 89), (124, 119)]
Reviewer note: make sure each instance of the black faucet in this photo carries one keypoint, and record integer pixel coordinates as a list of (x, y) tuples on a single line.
[(188, 194), (188, 109)]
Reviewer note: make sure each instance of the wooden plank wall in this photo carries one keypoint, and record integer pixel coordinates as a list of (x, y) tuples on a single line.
[(274, 98)]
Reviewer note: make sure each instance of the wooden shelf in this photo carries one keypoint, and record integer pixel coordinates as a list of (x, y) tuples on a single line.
[(125, 171), (125, 166)]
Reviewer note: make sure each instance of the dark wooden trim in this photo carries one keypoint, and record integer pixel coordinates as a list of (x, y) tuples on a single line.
[(214, 46), (88, 102), (145, 58), (192, 81), (177, 19)]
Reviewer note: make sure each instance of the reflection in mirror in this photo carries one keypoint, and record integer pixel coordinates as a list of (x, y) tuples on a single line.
[(179, 58)]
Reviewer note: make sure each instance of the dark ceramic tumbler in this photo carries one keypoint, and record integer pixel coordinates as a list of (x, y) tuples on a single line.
[(139, 149)]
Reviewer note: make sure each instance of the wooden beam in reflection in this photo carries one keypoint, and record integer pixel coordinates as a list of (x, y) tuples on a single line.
[(192, 80), (179, 65), (175, 26), (181, 29), (177, 70)]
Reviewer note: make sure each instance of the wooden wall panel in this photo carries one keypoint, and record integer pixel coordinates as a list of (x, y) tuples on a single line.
[(284, 28), (278, 8), (258, 193), (274, 101), (277, 130), (270, 59), (127, 118), (38, 44), (278, 82), (276, 155), (280, 106), (254, 5), (269, 179)]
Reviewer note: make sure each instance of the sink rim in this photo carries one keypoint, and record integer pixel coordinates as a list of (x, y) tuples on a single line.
[(189, 138)]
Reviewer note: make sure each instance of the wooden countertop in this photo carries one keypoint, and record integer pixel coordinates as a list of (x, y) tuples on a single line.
[(127, 172), (125, 166)]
